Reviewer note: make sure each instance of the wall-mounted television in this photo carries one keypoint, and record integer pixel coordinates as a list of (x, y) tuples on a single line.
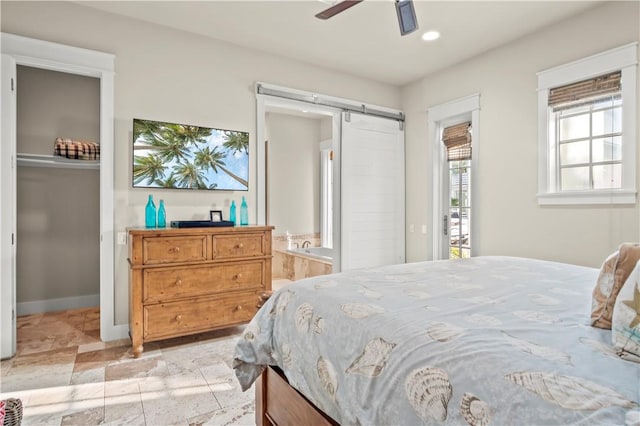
[(180, 156)]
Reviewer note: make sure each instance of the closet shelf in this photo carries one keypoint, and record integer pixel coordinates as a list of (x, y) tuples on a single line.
[(38, 160)]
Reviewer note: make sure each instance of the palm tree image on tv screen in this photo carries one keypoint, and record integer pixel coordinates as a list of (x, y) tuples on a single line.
[(178, 156)]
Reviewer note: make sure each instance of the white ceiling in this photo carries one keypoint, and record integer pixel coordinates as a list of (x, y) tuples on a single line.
[(364, 40)]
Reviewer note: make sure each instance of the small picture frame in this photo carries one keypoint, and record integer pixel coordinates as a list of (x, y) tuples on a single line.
[(216, 215)]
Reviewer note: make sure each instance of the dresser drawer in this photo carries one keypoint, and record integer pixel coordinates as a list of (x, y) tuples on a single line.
[(179, 318), (233, 246), (163, 284), (158, 250)]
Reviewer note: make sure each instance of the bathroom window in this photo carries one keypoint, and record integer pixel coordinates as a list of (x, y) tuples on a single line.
[(326, 194)]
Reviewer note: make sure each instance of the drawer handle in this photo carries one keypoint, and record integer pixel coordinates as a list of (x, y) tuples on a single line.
[(239, 308), (178, 318), (178, 282), (237, 277), (174, 250), (239, 245)]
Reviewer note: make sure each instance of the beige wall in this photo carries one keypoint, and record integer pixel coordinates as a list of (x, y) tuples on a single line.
[(58, 210), (326, 128), (174, 76), (507, 218), (294, 173)]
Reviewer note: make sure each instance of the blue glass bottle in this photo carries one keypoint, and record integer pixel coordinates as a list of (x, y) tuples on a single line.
[(244, 212), (162, 215), (150, 213), (232, 212)]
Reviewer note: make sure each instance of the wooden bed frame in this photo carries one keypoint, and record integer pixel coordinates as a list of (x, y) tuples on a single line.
[(278, 403)]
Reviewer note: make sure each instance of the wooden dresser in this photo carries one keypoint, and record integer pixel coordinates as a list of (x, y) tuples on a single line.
[(189, 280)]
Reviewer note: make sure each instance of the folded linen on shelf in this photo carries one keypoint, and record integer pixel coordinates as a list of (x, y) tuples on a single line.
[(77, 150)]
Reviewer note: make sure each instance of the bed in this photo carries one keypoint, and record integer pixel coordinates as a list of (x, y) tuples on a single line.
[(486, 340)]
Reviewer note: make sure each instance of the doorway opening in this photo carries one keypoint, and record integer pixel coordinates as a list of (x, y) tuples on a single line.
[(42, 55), (454, 136), (57, 198), (300, 190), (366, 148)]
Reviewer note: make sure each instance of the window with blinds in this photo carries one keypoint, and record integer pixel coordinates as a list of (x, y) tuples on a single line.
[(587, 118), (587, 121), (457, 140)]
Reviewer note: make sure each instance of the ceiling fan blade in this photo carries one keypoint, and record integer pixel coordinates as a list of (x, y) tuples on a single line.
[(337, 8)]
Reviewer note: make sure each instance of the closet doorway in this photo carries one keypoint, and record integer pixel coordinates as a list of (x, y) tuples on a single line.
[(20, 55), (58, 200)]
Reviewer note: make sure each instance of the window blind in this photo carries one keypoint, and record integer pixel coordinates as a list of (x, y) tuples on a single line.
[(585, 91), (457, 140)]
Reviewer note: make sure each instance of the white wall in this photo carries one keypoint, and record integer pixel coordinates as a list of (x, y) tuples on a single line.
[(174, 76), (507, 218), (294, 173)]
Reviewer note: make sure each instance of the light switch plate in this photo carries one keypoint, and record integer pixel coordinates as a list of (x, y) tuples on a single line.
[(122, 238)]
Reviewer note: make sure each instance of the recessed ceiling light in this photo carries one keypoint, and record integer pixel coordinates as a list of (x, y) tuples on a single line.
[(430, 36)]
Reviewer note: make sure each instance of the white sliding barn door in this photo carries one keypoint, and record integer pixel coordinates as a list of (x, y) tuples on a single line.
[(372, 192)]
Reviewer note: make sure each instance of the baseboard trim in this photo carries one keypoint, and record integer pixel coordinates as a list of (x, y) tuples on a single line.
[(60, 304)]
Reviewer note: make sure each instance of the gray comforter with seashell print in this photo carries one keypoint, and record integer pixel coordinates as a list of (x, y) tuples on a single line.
[(486, 340)]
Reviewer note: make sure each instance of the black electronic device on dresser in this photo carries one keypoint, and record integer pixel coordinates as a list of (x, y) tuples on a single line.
[(199, 223)]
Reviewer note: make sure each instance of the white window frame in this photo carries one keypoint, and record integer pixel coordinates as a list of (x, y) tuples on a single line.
[(624, 58), (326, 193)]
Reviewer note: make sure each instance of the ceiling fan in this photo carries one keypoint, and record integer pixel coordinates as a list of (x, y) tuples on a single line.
[(338, 7), (404, 9)]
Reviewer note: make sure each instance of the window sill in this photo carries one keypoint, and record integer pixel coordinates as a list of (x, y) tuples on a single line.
[(623, 196)]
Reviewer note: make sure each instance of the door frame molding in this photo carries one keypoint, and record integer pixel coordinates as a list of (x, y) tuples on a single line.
[(7, 220), (440, 116), (73, 60)]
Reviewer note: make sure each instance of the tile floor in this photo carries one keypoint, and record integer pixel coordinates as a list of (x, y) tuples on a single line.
[(65, 375)]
